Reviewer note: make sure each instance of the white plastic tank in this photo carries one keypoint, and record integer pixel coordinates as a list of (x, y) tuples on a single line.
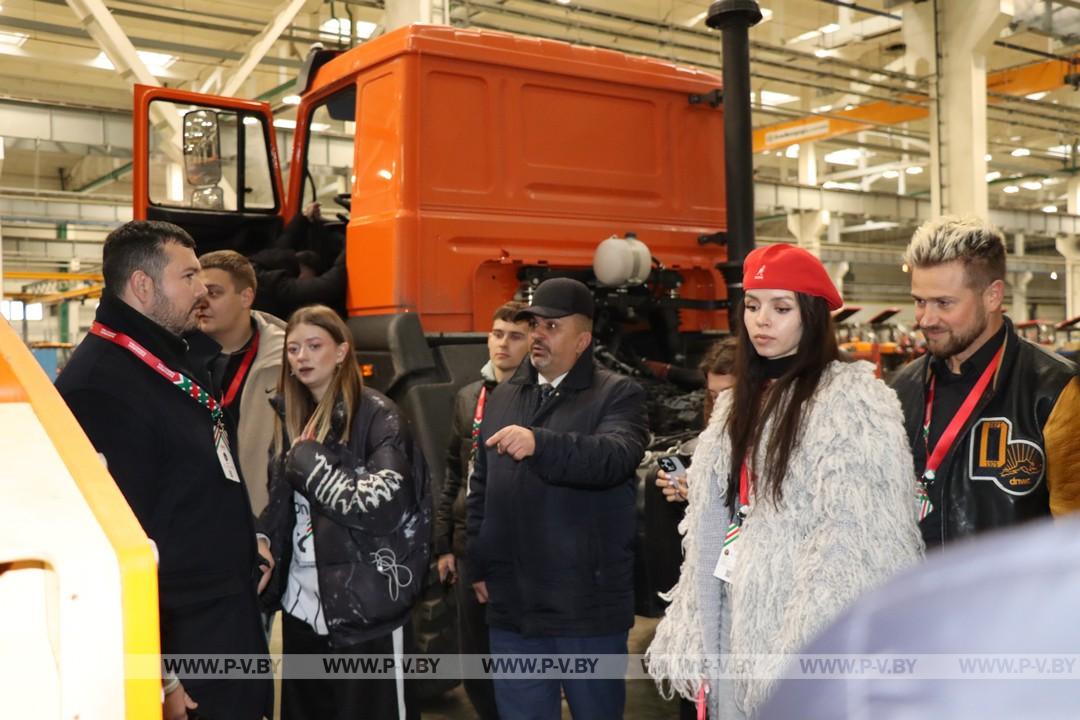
[(621, 261)]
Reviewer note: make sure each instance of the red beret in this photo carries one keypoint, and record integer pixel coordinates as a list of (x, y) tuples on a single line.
[(786, 267)]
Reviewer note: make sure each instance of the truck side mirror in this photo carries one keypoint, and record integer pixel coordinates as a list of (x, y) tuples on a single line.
[(202, 148)]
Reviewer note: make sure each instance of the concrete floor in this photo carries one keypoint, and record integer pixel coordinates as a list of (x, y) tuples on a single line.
[(642, 700)]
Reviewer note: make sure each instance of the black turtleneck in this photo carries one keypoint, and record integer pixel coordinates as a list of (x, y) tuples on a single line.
[(775, 368)]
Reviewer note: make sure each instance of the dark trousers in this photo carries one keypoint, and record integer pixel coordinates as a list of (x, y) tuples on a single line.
[(230, 626), (473, 637), (539, 699), (340, 698)]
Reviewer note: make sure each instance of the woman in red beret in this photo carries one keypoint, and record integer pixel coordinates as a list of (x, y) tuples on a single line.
[(801, 495)]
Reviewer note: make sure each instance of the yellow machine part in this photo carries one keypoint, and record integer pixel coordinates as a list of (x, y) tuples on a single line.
[(78, 578)]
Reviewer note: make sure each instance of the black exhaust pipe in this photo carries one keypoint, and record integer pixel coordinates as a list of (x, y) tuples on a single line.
[(734, 18)]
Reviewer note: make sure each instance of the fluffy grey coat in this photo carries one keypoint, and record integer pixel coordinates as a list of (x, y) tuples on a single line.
[(848, 521)]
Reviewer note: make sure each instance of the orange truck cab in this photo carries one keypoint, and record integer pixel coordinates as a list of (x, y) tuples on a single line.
[(481, 164)]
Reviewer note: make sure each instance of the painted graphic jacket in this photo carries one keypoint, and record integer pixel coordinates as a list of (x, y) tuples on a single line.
[(1015, 458), (370, 517)]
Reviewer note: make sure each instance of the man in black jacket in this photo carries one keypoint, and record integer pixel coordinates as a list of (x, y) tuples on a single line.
[(507, 344), (991, 417), (135, 386), (551, 509)]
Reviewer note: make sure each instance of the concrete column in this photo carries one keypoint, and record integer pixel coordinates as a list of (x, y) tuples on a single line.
[(1019, 243), (400, 13), (809, 228), (1069, 247), (921, 59), (836, 224), (1019, 281), (836, 270), (1072, 195), (965, 34), (808, 174)]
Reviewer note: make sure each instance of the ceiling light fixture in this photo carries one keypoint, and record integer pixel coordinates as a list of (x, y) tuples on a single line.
[(11, 39), (992, 176), (1049, 208), (847, 156), (291, 99), (340, 27), (1020, 152), (1031, 185), (156, 63), (770, 97), (914, 170), (1010, 189)]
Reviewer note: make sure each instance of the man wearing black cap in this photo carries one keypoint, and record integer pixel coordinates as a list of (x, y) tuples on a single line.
[(551, 509)]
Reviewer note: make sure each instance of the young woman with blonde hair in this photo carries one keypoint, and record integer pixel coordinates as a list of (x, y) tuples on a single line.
[(349, 522)]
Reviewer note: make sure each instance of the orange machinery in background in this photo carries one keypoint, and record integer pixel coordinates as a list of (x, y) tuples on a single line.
[(476, 155), (884, 344)]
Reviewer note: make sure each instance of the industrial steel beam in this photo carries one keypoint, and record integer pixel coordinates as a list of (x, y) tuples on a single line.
[(58, 276), (283, 15), (90, 291), (1037, 77), (773, 198), (110, 37)]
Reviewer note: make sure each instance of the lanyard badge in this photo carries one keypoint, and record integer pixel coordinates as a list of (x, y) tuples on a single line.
[(725, 564), (185, 385)]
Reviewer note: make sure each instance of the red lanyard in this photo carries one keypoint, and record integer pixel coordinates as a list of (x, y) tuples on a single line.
[(185, 384), (744, 485), (245, 365), (478, 416), (948, 438)]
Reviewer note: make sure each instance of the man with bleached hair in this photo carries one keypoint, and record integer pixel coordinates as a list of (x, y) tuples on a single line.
[(992, 418)]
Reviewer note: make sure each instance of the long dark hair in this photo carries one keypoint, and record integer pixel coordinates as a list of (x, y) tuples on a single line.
[(756, 401)]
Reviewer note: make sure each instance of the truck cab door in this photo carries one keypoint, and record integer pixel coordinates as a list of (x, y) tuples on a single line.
[(210, 165)]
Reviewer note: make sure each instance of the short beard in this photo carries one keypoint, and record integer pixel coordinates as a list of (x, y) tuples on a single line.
[(959, 343), (176, 322)]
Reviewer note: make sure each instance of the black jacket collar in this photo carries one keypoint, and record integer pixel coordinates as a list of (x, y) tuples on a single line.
[(192, 352), (580, 376)]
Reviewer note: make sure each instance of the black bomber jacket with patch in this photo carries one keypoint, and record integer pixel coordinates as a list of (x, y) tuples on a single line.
[(1015, 458)]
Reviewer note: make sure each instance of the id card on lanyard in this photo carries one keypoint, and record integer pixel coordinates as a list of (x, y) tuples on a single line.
[(185, 385), (725, 564), (935, 456)]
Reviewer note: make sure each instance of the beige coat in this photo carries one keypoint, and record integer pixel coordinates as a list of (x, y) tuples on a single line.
[(256, 431)]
